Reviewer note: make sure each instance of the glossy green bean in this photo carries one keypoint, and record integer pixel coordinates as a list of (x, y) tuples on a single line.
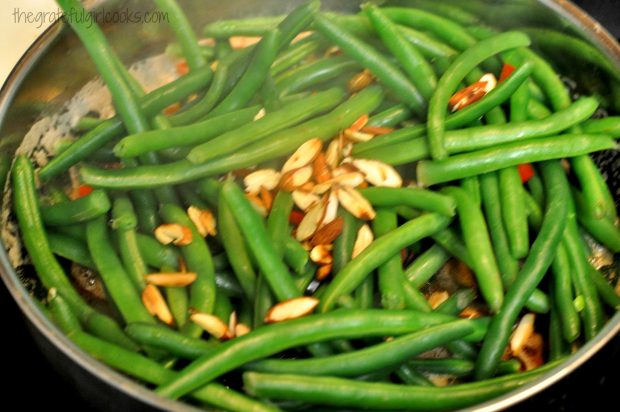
[(603, 230), (460, 367), (390, 117), (76, 211), (178, 302), (457, 301), (417, 198), (295, 256), (389, 273), (164, 338), (370, 58), (314, 73), (510, 154), (426, 265), (254, 132), (514, 213), (126, 239), (536, 264), (563, 294), (343, 245), (276, 145), (70, 249), (609, 125), (61, 313), (155, 254), (476, 236), (353, 274), (605, 290)]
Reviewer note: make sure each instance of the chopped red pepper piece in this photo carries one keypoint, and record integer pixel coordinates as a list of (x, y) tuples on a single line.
[(295, 217), (182, 68), (81, 191), (526, 171), (507, 70)]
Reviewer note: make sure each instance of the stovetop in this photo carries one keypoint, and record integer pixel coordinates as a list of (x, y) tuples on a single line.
[(30, 382)]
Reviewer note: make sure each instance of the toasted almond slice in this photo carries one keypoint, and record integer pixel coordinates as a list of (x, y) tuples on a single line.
[(304, 155), (291, 309), (178, 279), (257, 204), (293, 179), (358, 136), (242, 329), (261, 113), (490, 80), (323, 271), (307, 187), (352, 179), (522, 333), (321, 254), (156, 305), (332, 51), (377, 130), (437, 298), (211, 324), (241, 42), (332, 154), (312, 220), (363, 240), (328, 232), (266, 197), (173, 233), (304, 200), (203, 220), (359, 123), (232, 321), (301, 36), (472, 93), (355, 203), (267, 178), (360, 81), (531, 356), (331, 211), (470, 312), (320, 168), (378, 173)]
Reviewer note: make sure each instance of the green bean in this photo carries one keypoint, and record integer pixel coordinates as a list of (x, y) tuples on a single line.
[(510, 154), (353, 274), (370, 58), (415, 66), (605, 290), (267, 340), (534, 213), (255, 233), (472, 186), (248, 85), (178, 302), (603, 230), (460, 367), (183, 32), (236, 250), (410, 376), (228, 284), (62, 314), (413, 197), (198, 258), (475, 234), (448, 11), (164, 338), (609, 125), (462, 117), (118, 284), (223, 307), (183, 136), (151, 104), (537, 110), (383, 355), (70, 249), (428, 45), (87, 123), (276, 145), (457, 301), (557, 344), (295, 54), (146, 209), (536, 264), (248, 26), (513, 211), (150, 371), (174, 49), (295, 256), (356, 394), (254, 132), (343, 245), (76, 211), (155, 254), (563, 294), (414, 299), (426, 265), (314, 73), (390, 273), (390, 117)]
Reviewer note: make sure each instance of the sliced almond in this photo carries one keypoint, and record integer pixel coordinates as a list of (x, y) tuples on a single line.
[(258, 204), (490, 80), (301, 36), (173, 233), (232, 321), (522, 333), (323, 272), (267, 178), (178, 279), (331, 210), (156, 305), (203, 220), (304, 200), (261, 113), (328, 232), (378, 173), (242, 329), (320, 169), (307, 187), (291, 309), (332, 51), (211, 324), (294, 179), (360, 81), (363, 239), (332, 154), (472, 93), (351, 179), (321, 254), (437, 298), (241, 42), (470, 312), (267, 198), (312, 220), (357, 136), (304, 155), (377, 130), (359, 123), (355, 203), (531, 355)]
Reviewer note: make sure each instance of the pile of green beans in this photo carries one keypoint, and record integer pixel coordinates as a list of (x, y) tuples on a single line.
[(464, 227)]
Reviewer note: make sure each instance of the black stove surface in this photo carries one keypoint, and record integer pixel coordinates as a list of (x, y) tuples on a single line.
[(30, 382)]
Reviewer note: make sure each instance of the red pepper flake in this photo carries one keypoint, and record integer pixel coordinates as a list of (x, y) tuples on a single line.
[(81, 191), (182, 68), (295, 217), (526, 171), (507, 70)]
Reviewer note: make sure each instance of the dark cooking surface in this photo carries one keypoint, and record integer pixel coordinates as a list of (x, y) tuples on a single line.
[(29, 382)]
